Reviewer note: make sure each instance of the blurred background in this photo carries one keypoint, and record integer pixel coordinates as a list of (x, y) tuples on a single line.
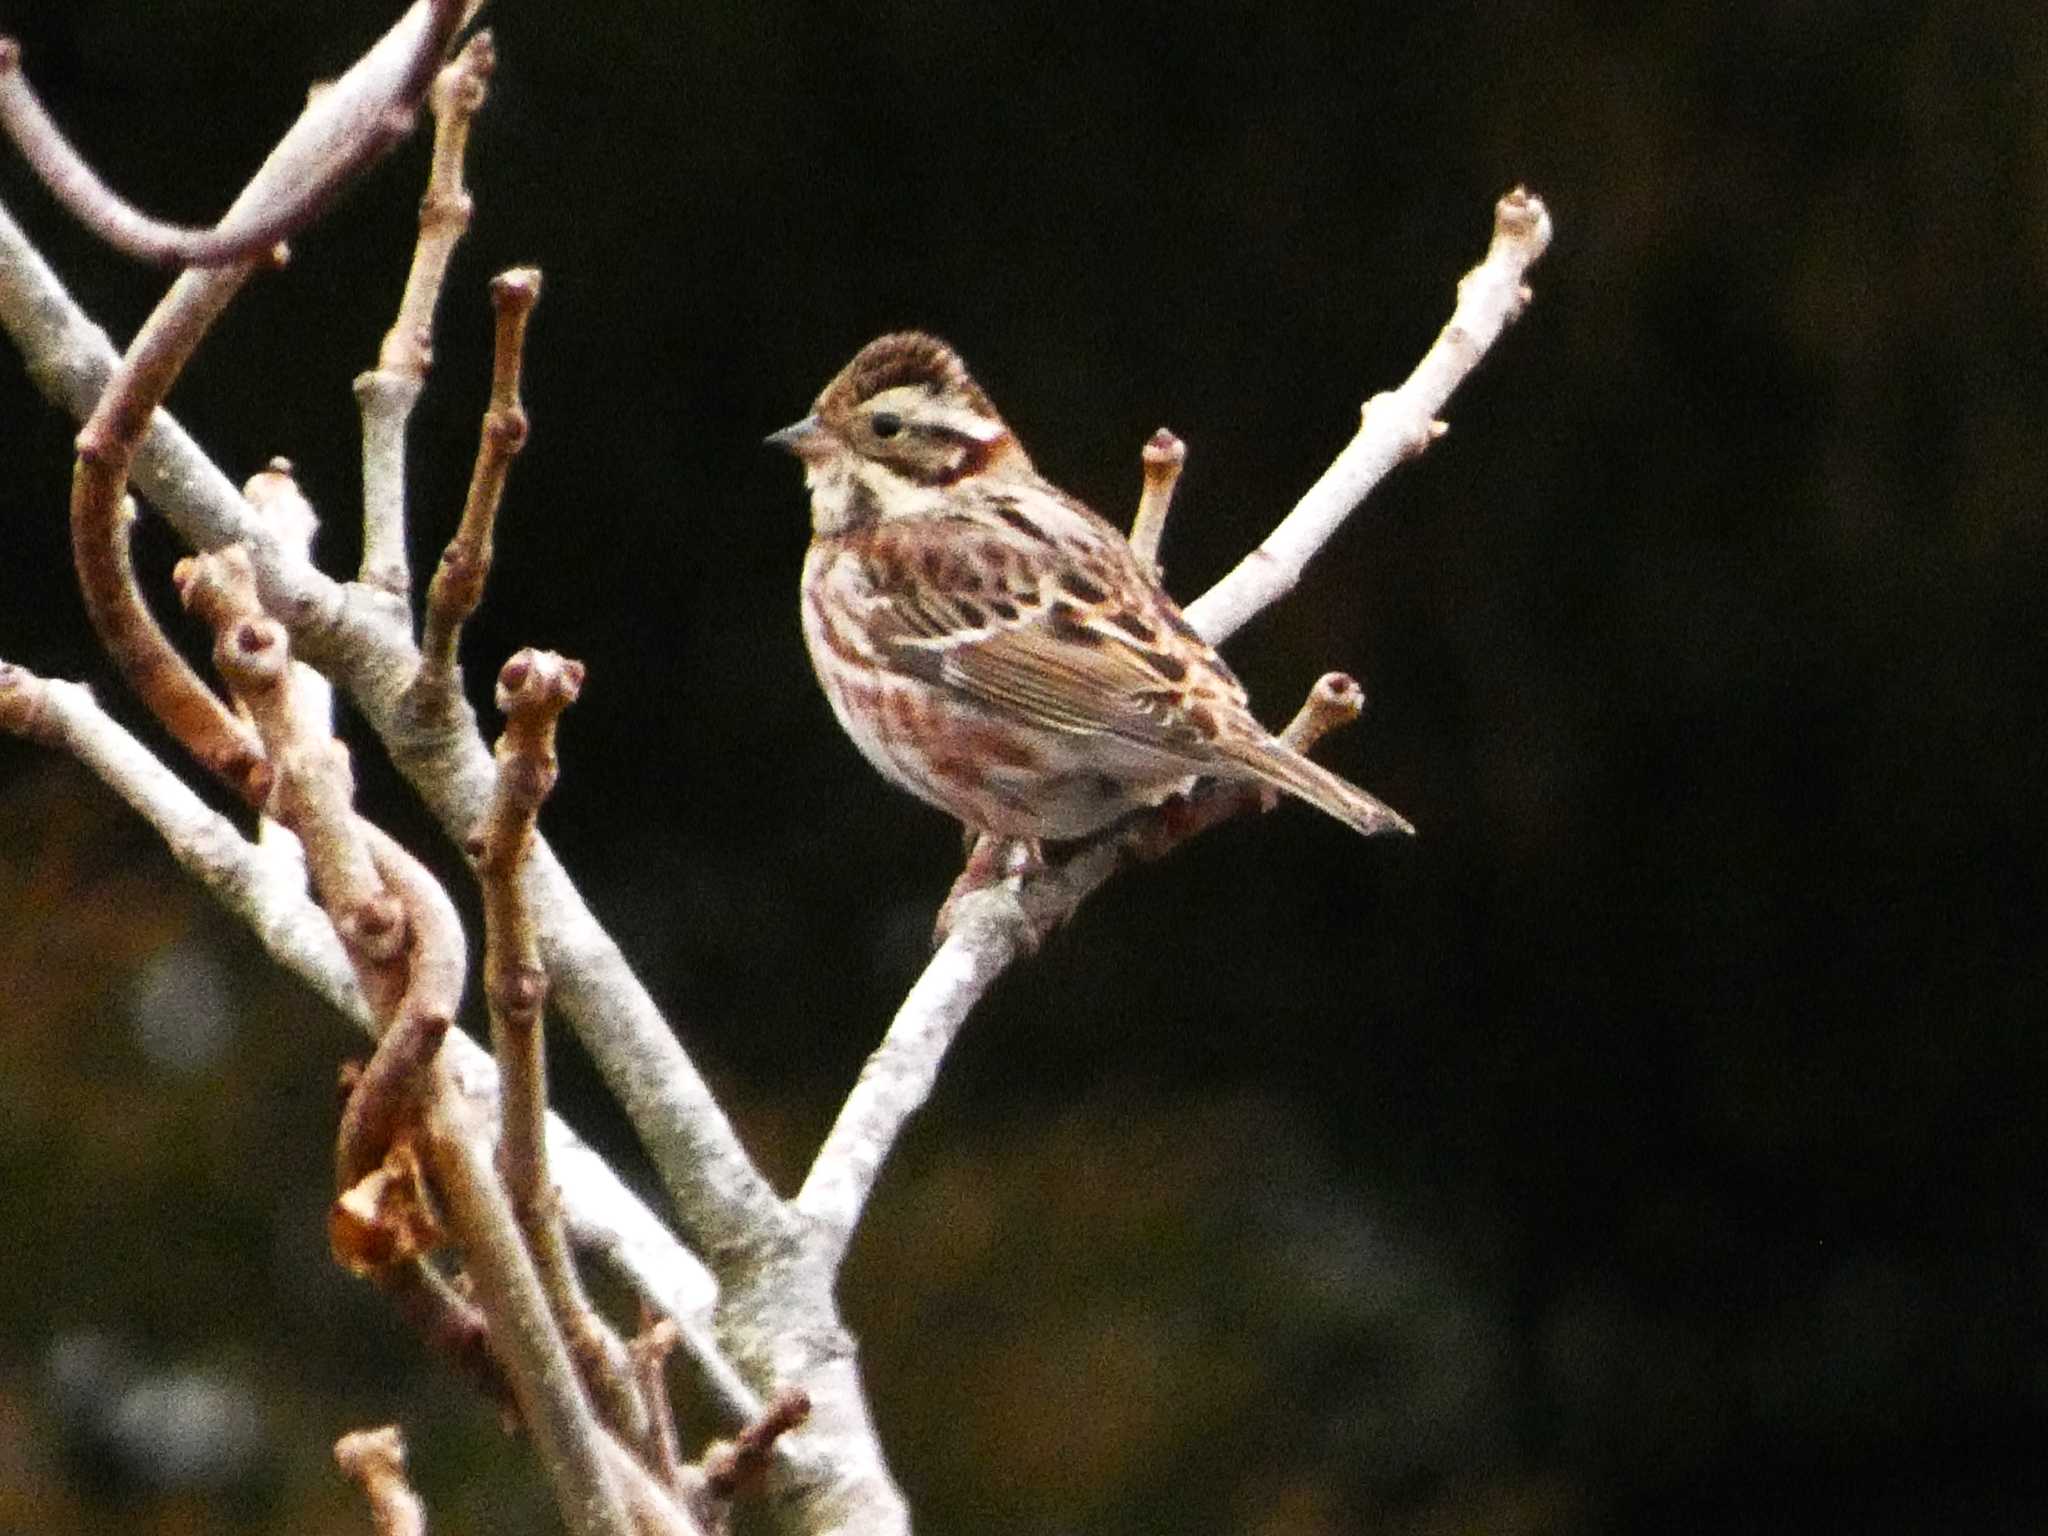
[(1653, 1144)]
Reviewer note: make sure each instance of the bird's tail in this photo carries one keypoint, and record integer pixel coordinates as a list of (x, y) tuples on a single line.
[(1277, 764)]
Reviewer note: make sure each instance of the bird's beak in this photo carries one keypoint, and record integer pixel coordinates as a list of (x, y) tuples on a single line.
[(799, 437)]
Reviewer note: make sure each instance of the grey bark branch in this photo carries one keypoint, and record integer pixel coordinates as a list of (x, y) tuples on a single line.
[(269, 896), (995, 927), (362, 638)]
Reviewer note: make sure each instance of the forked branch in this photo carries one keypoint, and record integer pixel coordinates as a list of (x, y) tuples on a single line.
[(339, 136), (992, 924)]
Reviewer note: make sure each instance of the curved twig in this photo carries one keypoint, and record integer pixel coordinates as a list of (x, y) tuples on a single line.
[(605, 1218), (247, 232), (365, 640), (224, 745)]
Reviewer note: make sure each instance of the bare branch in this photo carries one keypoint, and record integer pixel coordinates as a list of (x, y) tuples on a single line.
[(731, 1467), (1334, 702), (386, 394), (457, 96), (565, 1433), (354, 867), (993, 926), (1392, 427), (898, 1077), (534, 687), (604, 1216), (331, 143), (374, 1459), (1163, 457), (650, 1349), (274, 495), (458, 584), (314, 786), (363, 638), (100, 520), (286, 921)]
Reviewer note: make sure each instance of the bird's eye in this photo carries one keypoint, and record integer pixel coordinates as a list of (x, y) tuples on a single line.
[(886, 423)]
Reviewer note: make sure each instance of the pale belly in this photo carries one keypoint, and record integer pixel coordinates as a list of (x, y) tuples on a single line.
[(994, 774)]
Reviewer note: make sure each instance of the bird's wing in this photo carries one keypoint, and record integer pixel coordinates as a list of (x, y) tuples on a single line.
[(1057, 627)]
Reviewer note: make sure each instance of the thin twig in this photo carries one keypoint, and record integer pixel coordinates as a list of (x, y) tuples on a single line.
[(374, 1459), (329, 145), (324, 147), (650, 1349), (565, 1432), (160, 676), (396, 1078), (534, 687), (364, 638), (394, 919), (1000, 922), (1392, 427), (604, 1216), (274, 495), (314, 786), (1335, 701), (386, 393), (458, 584), (731, 1467), (1163, 458)]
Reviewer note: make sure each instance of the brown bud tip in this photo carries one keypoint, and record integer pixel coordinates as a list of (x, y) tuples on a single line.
[(513, 675), (1341, 687), (792, 1407), (254, 636), (483, 52), (94, 444), (10, 54), (1164, 451), (364, 1452), (516, 287)]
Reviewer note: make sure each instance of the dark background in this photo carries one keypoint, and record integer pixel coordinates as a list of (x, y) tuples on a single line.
[(1653, 1144)]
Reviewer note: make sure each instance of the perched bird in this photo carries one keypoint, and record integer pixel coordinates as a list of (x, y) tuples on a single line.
[(991, 644)]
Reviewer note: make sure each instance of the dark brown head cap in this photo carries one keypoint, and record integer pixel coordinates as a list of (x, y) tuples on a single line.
[(902, 357)]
